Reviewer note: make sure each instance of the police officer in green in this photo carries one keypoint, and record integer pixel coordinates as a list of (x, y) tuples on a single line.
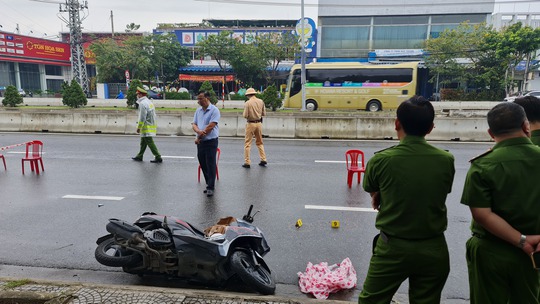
[(502, 192), (408, 184), (147, 126), (531, 105)]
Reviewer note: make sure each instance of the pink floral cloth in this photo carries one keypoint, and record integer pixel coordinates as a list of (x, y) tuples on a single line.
[(321, 279)]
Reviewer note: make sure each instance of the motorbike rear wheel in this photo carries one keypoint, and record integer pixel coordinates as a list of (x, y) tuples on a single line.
[(110, 254), (257, 277)]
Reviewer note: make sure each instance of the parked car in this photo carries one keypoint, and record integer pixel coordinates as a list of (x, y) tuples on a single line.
[(22, 92), (527, 93), (154, 95)]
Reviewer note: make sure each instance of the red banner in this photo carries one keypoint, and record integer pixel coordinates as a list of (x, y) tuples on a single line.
[(89, 56), (201, 78), (25, 47)]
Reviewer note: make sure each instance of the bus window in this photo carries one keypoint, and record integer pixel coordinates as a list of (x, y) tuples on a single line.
[(296, 83)]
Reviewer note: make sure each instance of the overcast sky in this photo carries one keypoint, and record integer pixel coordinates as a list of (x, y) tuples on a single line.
[(38, 18), (41, 18)]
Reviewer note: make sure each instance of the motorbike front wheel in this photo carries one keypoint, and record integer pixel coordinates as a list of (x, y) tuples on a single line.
[(257, 277), (110, 254)]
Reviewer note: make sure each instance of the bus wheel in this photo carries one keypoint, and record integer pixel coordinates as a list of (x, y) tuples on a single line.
[(311, 105), (373, 106)]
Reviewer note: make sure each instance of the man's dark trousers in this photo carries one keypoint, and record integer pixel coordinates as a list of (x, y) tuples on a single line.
[(206, 153)]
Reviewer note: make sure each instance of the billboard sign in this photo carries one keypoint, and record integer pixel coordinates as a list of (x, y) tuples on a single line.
[(24, 47)]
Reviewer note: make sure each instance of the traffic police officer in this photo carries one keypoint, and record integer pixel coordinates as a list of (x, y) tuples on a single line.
[(408, 184), (501, 191), (146, 126)]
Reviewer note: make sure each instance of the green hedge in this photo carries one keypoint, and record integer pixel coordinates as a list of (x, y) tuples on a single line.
[(178, 95)]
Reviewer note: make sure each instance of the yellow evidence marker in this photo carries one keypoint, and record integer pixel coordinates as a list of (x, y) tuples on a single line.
[(298, 223), (335, 224)]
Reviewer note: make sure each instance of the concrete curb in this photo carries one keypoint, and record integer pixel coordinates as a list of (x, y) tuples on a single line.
[(53, 292)]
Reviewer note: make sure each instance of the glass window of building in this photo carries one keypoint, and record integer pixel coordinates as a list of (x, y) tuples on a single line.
[(54, 85), (399, 37), (30, 79), (53, 70), (7, 74)]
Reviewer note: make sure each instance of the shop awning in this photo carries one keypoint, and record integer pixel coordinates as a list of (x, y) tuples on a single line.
[(216, 69), (202, 78)]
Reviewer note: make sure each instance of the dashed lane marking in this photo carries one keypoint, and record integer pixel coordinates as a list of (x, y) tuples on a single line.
[(338, 208), (331, 161), (89, 197)]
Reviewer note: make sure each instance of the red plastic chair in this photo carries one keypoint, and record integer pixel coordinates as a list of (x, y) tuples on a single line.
[(4, 160), (33, 155), (355, 164), (218, 153)]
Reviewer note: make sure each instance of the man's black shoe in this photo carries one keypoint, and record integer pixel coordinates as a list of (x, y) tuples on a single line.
[(246, 166), (157, 160), (136, 159), (263, 163), (209, 192)]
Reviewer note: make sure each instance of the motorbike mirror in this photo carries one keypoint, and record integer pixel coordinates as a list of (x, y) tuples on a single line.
[(165, 225), (248, 217)]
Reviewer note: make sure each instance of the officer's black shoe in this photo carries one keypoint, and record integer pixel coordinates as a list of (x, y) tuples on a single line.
[(263, 163), (136, 159), (247, 166), (157, 160)]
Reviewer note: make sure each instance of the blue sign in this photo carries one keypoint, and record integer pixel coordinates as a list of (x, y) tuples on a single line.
[(310, 36)]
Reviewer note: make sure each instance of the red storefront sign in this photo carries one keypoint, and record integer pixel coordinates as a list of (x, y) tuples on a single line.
[(20, 48), (201, 78), (89, 56)]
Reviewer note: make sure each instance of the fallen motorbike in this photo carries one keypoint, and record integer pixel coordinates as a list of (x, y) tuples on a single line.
[(159, 244)]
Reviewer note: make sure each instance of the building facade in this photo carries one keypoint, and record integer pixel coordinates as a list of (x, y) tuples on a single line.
[(33, 64), (353, 29)]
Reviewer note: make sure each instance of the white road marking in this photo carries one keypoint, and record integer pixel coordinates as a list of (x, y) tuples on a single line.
[(331, 161), (106, 198), (338, 208), (186, 157)]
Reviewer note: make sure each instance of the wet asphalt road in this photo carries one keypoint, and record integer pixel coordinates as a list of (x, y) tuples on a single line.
[(41, 228)]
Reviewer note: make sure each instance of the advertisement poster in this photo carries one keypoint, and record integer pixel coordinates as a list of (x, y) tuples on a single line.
[(187, 38), (27, 48)]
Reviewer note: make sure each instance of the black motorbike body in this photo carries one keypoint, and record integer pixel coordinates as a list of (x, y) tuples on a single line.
[(159, 244)]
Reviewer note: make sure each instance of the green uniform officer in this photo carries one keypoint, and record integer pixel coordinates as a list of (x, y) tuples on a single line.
[(409, 184), (147, 126), (531, 105), (501, 191)]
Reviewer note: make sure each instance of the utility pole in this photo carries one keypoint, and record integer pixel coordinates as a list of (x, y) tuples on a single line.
[(112, 24), (78, 64)]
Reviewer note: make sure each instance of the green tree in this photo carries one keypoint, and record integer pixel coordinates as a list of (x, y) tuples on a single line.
[(271, 98), (132, 27), (167, 55), (207, 86), (462, 56), (132, 92), (219, 47), (12, 97), (143, 57), (275, 48), (73, 95), (514, 44), (249, 64)]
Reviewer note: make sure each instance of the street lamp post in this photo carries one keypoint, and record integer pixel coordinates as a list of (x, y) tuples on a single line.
[(303, 57)]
